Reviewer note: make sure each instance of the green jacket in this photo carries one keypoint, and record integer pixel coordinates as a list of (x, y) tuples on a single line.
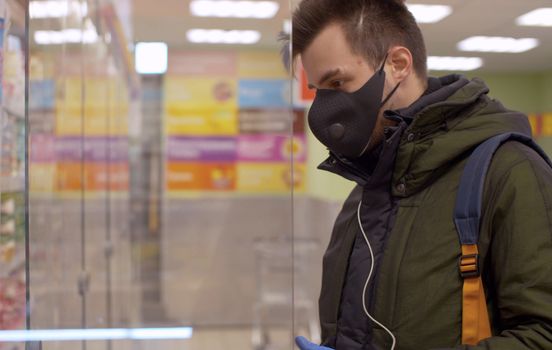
[(419, 290)]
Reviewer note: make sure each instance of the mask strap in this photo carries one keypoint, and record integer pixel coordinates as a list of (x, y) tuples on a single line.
[(390, 94), (394, 89), (383, 63)]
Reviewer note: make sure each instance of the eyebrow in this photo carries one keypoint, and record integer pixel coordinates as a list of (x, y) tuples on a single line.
[(327, 76)]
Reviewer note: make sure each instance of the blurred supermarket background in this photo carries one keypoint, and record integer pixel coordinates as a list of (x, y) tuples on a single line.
[(170, 180)]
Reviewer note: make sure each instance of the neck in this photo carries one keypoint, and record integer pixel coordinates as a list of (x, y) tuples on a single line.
[(413, 89)]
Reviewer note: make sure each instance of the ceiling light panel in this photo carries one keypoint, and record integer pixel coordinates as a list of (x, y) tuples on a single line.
[(219, 36), (151, 57), (538, 18), (68, 36), (230, 9), (429, 13), (57, 9), (497, 44), (442, 63), (287, 26)]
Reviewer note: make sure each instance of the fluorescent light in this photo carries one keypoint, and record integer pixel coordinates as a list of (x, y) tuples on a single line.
[(151, 58), (497, 44), (541, 17), (67, 36), (429, 13), (57, 9), (219, 36), (453, 63), (160, 333), (95, 334), (240, 9), (287, 26)]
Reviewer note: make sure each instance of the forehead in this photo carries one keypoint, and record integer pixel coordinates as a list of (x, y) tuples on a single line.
[(329, 50)]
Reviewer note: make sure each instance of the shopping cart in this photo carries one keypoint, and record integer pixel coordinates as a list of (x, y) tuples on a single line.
[(284, 293)]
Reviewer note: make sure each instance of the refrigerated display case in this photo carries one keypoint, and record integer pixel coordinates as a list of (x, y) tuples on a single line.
[(133, 206)]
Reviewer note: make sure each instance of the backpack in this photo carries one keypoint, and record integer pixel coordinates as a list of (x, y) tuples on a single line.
[(467, 215)]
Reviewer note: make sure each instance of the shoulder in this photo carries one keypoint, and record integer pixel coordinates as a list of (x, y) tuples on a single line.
[(514, 159), (518, 172)]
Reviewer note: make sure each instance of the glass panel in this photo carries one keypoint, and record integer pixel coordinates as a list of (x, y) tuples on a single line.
[(160, 211)]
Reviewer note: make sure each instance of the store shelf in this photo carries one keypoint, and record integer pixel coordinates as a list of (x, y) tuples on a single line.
[(11, 111), (17, 264), (16, 10), (12, 184)]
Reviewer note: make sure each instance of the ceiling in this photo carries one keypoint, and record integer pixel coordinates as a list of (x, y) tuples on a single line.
[(170, 21), (491, 18)]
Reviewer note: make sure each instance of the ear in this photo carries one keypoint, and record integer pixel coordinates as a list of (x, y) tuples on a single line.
[(296, 67), (399, 62)]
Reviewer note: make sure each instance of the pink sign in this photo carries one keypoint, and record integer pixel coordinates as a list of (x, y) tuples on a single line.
[(205, 149), (42, 148), (203, 63), (271, 148)]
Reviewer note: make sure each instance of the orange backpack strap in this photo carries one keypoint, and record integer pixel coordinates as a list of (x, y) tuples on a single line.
[(467, 217), (475, 317)]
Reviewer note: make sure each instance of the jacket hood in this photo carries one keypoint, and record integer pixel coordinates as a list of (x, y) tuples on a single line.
[(444, 132)]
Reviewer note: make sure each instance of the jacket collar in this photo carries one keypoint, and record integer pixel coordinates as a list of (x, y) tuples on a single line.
[(376, 168), (444, 132), (383, 157)]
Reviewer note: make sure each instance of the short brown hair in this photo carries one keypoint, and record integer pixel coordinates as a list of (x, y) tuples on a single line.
[(371, 28)]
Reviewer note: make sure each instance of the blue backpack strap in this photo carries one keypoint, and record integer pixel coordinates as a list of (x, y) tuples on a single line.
[(467, 213), (467, 216)]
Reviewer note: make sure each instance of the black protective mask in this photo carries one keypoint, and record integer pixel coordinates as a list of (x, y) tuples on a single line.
[(344, 122)]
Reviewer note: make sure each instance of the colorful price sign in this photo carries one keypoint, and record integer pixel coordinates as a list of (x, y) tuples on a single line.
[(186, 176), (200, 121), (204, 149), (261, 65), (264, 94), (271, 148), (270, 177), (546, 124), (97, 176), (203, 63), (197, 93), (271, 121)]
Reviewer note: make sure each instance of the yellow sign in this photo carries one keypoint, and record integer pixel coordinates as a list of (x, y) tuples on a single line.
[(261, 65), (270, 177), (200, 93), (200, 106), (104, 112), (546, 125), (534, 120), (42, 177), (200, 121)]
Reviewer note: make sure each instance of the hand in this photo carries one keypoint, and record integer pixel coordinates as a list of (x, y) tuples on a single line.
[(304, 344)]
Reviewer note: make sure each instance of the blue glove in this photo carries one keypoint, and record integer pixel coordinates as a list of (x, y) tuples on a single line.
[(304, 344)]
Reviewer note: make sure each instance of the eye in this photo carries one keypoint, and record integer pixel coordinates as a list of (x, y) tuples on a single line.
[(336, 84)]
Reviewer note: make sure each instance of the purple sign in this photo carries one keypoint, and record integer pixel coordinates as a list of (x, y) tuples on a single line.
[(210, 149), (96, 149), (271, 148)]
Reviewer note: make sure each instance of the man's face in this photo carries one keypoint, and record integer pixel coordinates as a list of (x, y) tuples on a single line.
[(330, 63)]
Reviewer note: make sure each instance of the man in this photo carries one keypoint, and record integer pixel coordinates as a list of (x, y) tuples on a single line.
[(390, 273)]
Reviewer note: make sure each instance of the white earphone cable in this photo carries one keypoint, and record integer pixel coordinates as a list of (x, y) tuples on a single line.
[(368, 281)]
